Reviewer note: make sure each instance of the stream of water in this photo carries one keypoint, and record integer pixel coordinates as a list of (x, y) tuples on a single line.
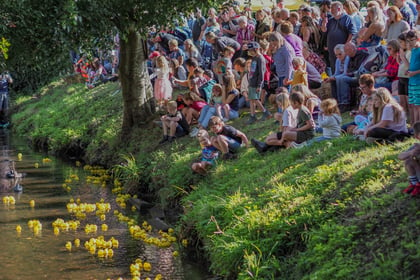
[(30, 256)]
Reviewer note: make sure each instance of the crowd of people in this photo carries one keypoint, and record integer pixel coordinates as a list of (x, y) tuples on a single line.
[(312, 65)]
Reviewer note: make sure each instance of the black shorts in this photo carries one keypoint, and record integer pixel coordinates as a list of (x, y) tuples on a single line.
[(402, 86), (303, 136)]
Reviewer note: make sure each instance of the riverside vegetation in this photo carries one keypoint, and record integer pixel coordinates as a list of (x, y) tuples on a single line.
[(333, 210)]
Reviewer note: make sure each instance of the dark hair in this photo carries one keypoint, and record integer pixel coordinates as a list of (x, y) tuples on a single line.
[(240, 61), (191, 62), (297, 97), (209, 74), (411, 34), (402, 36), (367, 79)]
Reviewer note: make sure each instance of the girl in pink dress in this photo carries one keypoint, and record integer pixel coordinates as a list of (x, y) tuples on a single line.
[(162, 87)]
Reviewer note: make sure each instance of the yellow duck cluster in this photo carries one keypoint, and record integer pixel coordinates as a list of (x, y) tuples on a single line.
[(138, 266), (61, 225), (9, 200), (98, 175), (101, 247), (35, 226)]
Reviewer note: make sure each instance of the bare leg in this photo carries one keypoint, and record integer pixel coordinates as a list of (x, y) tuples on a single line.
[(172, 128)]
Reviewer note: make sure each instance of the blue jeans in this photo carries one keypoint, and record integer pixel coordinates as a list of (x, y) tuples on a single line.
[(232, 144), (206, 113), (281, 83), (232, 114), (343, 84)]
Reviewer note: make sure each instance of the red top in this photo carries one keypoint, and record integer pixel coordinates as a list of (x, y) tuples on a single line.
[(198, 105), (268, 62)]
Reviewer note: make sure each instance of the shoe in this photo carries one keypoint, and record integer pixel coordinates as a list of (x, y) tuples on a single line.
[(298, 146), (164, 139), (251, 120), (416, 190), (266, 115), (228, 156), (171, 139), (371, 140), (274, 148), (261, 147), (409, 189), (194, 132)]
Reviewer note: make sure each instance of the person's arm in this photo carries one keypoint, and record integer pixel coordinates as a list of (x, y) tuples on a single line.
[(243, 137), (305, 34), (309, 124)]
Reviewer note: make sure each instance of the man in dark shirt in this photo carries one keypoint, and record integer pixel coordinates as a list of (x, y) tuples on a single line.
[(344, 82), (197, 27), (339, 29)]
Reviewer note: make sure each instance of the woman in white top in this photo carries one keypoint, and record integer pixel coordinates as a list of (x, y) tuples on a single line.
[(389, 119)]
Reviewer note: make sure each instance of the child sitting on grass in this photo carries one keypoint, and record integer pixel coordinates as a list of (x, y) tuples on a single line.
[(305, 128), (329, 120), (228, 139), (287, 120), (174, 123), (411, 159), (217, 101), (209, 153)]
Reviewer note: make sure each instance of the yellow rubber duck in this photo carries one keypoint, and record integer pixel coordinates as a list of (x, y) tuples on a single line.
[(32, 203), (77, 242), (68, 246), (18, 229), (147, 266)]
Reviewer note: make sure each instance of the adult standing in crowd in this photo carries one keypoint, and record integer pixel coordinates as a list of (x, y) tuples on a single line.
[(5, 81), (339, 29), (395, 24), (283, 54), (198, 25)]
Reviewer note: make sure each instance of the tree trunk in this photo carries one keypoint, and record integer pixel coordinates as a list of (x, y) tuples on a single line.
[(137, 91)]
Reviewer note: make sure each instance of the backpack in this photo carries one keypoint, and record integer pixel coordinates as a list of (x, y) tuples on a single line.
[(206, 89)]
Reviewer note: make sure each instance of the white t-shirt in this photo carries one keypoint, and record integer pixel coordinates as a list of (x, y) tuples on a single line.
[(388, 115), (289, 117)]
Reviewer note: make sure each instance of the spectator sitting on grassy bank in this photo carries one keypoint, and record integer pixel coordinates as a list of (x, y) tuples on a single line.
[(209, 154), (228, 139), (174, 123)]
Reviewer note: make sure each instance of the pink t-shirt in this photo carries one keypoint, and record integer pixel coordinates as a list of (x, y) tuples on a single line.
[(198, 105)]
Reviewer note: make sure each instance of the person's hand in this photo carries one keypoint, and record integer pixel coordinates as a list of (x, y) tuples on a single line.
[(410, 73)]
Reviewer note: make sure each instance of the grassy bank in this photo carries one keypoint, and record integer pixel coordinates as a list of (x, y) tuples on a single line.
[(330, 211)]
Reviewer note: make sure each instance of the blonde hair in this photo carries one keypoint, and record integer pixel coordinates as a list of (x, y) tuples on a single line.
[(202, 134), (386, 98), (229, 82), (298, 61), (329, 106), (283, 100), (172, 105), (162, 63)]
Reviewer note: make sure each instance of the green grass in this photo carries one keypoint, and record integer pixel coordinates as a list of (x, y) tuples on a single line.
[(333, 210)]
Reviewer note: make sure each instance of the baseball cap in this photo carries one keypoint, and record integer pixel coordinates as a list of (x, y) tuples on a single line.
[(253, 45)]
